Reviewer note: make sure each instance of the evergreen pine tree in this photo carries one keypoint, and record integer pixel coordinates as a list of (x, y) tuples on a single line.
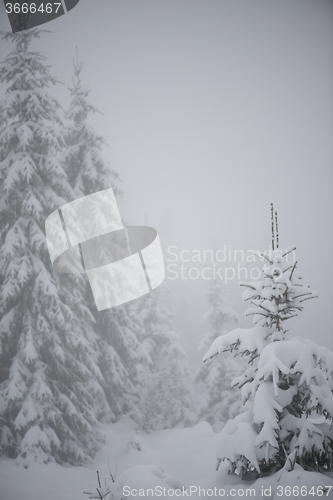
[(86, 167), (166, 399), (218, 401), (123, 359), (118, 329), (287, 390), (50, 392)]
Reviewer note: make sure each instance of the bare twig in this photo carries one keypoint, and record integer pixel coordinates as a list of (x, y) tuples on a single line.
[(272, 225), (288, 251), (277, 230), (248, 285)]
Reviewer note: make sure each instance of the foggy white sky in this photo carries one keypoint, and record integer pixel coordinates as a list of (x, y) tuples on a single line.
[(213, 109)]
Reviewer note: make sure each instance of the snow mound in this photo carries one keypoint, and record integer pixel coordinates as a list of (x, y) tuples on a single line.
[(137, 442), (236, 440), (143, 477)]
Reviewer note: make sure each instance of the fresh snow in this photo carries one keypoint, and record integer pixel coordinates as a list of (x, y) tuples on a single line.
[(169, 458)]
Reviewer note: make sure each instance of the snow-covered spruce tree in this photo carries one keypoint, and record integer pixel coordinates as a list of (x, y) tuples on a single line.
[(166, 398), (123, 361), (287, 389), (218, 401), (50, 392), (118, 329), (86, 167)]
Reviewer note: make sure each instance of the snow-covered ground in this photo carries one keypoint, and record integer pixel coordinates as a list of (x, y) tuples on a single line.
[(186, 456)]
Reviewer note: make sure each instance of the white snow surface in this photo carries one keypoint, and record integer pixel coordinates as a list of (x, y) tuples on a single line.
[(144, 477), (169, 458)]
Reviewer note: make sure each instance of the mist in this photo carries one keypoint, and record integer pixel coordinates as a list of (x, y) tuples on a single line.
[(212, 110)]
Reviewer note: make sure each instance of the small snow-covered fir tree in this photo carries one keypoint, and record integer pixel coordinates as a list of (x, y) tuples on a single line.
[(218, 401), (51, 391), (166, 398), (287, 389)]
